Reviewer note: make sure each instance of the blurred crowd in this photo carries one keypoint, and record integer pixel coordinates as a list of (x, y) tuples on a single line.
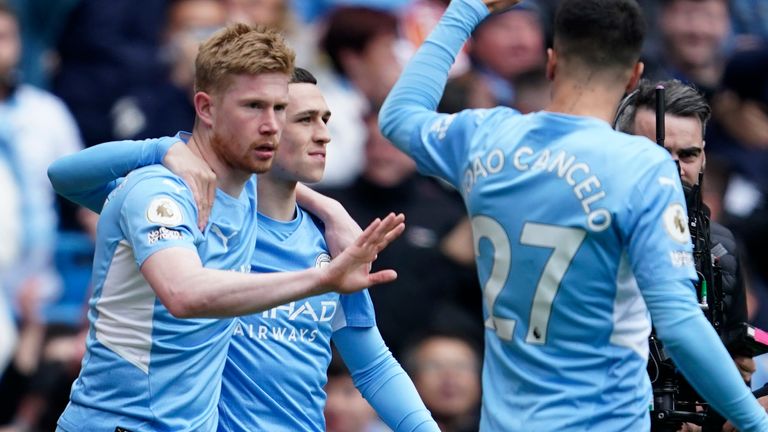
[(76, 73)]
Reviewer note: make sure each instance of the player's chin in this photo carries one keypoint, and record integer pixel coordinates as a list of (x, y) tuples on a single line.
[(313, 175), (260, 166)]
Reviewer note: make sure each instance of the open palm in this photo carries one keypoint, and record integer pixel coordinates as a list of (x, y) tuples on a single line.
[(350, 271)]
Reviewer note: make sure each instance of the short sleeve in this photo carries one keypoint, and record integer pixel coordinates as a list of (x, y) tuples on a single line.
[(158, 213), (355, 310)]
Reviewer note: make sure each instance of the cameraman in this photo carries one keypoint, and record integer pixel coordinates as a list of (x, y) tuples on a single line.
[(685, 120)]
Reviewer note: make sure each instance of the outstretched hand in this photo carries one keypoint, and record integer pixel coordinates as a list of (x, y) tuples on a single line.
[(199, 177), (350, 271), (500, 5)]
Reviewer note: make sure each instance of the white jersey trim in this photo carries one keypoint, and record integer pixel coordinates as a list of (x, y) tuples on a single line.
[(125, 310), (631, 323)]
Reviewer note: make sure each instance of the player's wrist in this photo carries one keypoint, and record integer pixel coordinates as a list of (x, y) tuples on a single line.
[(322, 281)]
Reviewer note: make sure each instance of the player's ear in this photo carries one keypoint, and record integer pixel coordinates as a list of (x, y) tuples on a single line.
[(637, 72), (204, 108), (551, 63)]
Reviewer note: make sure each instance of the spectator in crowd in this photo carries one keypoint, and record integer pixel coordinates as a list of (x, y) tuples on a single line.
[(694, 35), (739, 132), (273, 13), (506, 46), (10, 232), (311, 10), (105, 52), (42, 22), (438, 284), (418, 18), (35, 129), (153, 108), (362, 46), (507, 52), (445, 368)]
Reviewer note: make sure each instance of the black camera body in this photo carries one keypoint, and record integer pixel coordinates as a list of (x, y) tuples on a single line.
[(674, 400)]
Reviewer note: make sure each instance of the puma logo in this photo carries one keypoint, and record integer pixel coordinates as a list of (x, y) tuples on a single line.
[(175, 187), (224, 239), (666, 181)]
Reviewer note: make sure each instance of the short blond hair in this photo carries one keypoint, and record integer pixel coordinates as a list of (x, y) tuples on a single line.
[(241, 49)]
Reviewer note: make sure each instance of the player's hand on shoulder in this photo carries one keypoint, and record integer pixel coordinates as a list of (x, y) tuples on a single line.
[(495, 6), (350, 271), (199, 177)]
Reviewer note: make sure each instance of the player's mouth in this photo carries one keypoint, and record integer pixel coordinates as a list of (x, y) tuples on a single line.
[(265, 151), (320, 155)]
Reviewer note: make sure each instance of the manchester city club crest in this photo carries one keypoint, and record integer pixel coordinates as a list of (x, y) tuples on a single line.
[(322, 260)]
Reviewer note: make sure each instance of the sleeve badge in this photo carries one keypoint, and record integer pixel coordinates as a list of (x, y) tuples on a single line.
[(164, 211), (676, 223)]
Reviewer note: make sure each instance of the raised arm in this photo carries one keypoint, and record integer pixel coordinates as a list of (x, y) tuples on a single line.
[(382, 380), (187, 289), (414, 98), (87, 177)]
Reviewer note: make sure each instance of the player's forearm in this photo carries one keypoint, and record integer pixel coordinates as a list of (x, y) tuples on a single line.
[(88, 176), (382, 380), (699, 354), (216, 293), (417, 93), (323, 207), (340, 229)]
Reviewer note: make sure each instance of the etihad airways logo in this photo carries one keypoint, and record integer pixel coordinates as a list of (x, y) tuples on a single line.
[(321, 312), (291, 323)]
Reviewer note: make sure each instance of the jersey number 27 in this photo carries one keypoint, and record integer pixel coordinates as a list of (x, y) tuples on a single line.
[(565, 242)]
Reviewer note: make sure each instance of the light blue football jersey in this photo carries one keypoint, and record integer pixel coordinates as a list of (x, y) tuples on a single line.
[(565, 214), (579, 232), (145, 370), (277, 362)]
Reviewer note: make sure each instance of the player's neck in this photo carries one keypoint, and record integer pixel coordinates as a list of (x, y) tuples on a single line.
[(585, 99), (277, 197), (231, 181)]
